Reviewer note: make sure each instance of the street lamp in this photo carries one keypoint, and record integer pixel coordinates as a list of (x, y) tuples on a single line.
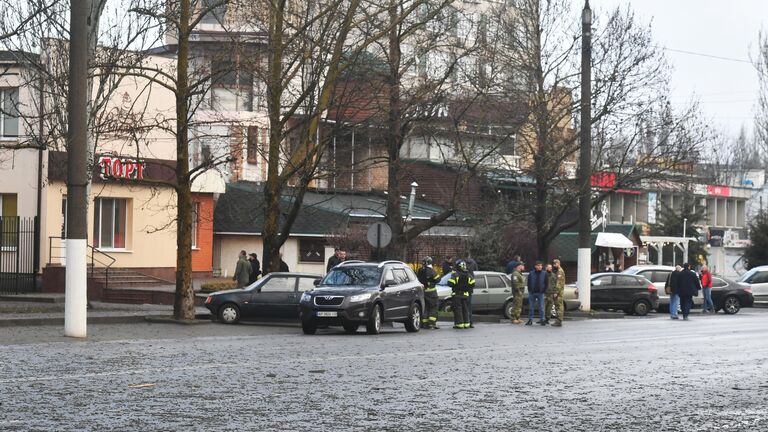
[(585, 161), (411, 200)]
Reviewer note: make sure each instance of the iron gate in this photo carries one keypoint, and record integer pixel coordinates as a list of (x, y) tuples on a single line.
[(17, 255)]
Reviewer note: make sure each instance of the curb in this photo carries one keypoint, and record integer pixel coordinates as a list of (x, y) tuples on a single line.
[(32, 299), (122, 319)]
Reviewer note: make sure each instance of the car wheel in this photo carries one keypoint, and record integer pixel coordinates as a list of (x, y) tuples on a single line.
[(731, 305), (413, 324), (509, 308), (308, 327), (229, 313), (374, 321), (351, 328), (641, 308), (446, 306)]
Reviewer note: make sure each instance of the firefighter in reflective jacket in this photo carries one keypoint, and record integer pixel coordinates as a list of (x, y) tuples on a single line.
[(428, 277), (461, 282)]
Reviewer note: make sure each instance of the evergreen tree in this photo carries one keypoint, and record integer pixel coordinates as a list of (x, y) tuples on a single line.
[(670, 223), (757, 252)]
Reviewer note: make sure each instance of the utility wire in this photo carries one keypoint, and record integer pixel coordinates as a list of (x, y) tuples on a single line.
[(707, 55)]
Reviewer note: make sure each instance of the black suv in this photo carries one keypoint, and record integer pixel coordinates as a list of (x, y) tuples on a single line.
[(356, 292)]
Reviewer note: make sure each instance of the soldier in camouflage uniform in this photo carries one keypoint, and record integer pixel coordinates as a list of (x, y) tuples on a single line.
[(559, 288), (518, 286)]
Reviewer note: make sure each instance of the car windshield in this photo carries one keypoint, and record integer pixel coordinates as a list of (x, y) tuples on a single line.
[(353, 276), (746, 275), (632, 270)]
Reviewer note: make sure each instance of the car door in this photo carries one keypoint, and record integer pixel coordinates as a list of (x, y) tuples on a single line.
[(403, 293), (480, 295), (499, 288), (276, 298), (625, 289), (305, 283), (389, 291), (718, 289), (759, 283), (601, 290)]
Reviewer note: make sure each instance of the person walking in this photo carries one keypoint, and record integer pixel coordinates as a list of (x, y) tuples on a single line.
[(255, 267), (537, 286), (706, 288), (461, 281), (558, 292), (670, 288), (242, 270), (688, 286), (518, 287), (339, 256), (428, 278)]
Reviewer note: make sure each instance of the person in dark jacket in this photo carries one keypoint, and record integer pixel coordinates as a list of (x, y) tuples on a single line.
[(255, 267), (537, 286), (512, 264), (670, 288), (446, 267), (242, 270), (429, 278), (283, 265), (688, 286), (461, 282), (339, 256)]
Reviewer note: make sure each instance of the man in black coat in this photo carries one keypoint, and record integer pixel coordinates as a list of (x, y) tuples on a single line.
[(688, 286), (255, 268), (339, 255), (670, 288)]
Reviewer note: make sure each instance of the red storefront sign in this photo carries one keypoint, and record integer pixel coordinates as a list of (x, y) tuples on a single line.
[(714, 190), (117, 168), (604, 179)]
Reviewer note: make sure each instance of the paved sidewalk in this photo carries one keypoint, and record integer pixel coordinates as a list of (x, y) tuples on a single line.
[(48, 309)]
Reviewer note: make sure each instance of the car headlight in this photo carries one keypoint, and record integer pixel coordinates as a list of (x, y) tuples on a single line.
[(359, 297), (306, 297)]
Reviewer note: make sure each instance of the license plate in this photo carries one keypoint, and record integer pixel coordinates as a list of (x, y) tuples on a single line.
[(327, 314)]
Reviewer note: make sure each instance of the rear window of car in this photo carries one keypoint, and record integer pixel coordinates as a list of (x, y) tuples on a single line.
[(625, 280), (657, 276), (718, 283), (602, 280), (495, 281), (400, 276), (480, 282), (759, 277)]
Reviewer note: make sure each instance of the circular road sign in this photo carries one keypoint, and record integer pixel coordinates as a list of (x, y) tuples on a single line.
[(379, 231)]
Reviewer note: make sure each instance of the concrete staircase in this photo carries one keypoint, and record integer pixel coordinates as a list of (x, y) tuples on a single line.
[(123, 278), (124, 285)]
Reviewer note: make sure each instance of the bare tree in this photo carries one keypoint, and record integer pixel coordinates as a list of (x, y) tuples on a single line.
[(630, 87)]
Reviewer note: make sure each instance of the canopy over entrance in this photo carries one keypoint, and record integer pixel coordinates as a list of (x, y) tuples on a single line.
[(613, 240)]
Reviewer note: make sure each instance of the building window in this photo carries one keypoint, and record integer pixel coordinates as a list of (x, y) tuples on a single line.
[(9, 236), (232, 87), (195, 218), (110, 220), (252, 147), (312, 250), (9, 113)]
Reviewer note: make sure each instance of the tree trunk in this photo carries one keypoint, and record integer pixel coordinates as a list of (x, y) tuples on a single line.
[(272, 187), (184, 302), (397, 248)]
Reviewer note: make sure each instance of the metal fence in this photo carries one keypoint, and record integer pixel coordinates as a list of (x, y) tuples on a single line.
[(17, 255)]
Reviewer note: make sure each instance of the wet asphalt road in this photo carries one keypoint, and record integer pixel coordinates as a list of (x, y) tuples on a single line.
[(632, 374)]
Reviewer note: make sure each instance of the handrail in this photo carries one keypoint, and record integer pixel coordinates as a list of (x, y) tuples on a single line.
[(103, 262)]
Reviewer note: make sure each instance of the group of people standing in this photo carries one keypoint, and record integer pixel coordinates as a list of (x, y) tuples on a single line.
[(462, 284), (248, 269), (546, 286), (683, 285)]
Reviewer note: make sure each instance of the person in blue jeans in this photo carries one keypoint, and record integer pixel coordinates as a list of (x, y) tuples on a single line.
[(537, 285), (671, 288), (706, 288)]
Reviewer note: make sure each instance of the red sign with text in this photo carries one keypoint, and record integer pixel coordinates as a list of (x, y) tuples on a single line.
[(604, 179), (118, 168), (715, 190)]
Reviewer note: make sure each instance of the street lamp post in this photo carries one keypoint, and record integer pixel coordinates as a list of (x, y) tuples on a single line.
[(585, 161)]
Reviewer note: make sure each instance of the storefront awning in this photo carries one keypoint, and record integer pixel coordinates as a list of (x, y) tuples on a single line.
[(613, 240)]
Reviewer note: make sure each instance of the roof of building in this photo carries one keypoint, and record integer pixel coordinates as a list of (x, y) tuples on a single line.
[(241, 210)]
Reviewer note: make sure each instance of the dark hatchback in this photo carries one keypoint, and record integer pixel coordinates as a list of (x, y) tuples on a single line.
[(630, 293), (358, 293), (730, 296), (273, 297)]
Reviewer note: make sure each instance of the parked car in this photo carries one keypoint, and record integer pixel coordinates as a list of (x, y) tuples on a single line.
[(493, 294), (273, 297), (658, 275), (730, 296), (630, 293), (757, 279), (358, 293)]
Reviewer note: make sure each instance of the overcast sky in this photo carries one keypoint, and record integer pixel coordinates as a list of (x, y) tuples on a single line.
[(727, 89)]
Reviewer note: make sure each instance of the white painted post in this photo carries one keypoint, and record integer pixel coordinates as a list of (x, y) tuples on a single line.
[(76, 295), (583, 278)]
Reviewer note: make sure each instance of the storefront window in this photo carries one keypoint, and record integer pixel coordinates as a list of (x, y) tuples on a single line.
[(110, 220), (8, 215), (312, 250)]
